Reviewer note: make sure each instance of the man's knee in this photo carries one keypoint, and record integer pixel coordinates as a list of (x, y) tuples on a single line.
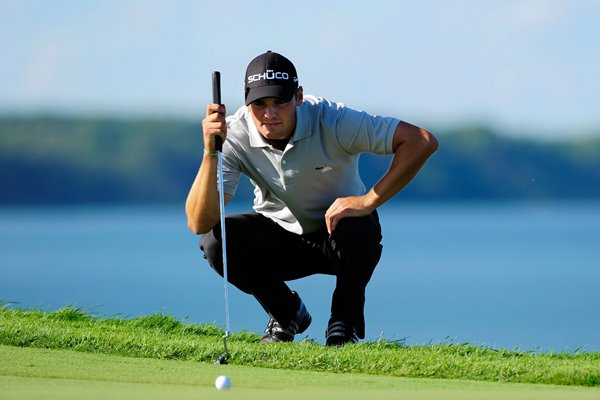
[(357, 243), (211, 247), (358, 232)]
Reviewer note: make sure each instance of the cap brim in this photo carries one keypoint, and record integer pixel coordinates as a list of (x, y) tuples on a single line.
[(277, 91)]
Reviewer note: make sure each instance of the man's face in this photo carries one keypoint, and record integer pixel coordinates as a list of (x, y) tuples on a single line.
[(275, 118)]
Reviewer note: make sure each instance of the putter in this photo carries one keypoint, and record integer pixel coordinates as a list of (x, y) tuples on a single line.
[(216, 86)]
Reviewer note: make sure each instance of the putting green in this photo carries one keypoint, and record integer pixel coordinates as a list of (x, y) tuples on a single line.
[(28, 373)]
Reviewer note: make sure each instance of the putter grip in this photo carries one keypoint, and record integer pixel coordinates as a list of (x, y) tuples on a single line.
[(216, 92)]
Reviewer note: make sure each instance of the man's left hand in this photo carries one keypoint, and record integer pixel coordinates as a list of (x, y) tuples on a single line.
[(354, 206)]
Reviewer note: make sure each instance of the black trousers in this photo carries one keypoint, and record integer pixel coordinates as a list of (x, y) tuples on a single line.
[(262, 256)]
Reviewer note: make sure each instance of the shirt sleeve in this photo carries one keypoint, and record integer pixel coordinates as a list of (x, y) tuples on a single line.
[(360, 132)]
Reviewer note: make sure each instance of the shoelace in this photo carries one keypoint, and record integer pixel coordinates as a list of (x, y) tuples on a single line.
[(270, 326), (273, 325)]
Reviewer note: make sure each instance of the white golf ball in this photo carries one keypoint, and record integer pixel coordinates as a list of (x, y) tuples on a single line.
[(223, 382)]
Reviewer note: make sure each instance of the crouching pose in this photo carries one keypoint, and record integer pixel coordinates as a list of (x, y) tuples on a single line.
[(312, 213)]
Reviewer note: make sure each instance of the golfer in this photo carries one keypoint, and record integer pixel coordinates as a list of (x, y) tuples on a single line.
[(312, 213)]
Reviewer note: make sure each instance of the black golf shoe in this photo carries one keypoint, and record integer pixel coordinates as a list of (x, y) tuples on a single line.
[(339, 333), (275, 332)]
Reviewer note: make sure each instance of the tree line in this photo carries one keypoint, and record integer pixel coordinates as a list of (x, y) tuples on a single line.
[(48, 160)]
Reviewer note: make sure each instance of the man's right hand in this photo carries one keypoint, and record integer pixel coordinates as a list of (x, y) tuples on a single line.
[(202, 204), (214, 125)]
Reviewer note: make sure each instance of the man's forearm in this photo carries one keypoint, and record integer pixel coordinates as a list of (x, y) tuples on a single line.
[(410, 155), (202, 204), (412, 148)]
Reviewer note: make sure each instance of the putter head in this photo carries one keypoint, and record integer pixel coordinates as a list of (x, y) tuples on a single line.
[(222, 360)]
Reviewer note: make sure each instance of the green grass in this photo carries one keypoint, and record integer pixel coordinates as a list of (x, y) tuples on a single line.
[(32, 373), (165, 338)]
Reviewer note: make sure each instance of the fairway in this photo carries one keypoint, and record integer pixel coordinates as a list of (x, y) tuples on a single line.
[(30, 373)]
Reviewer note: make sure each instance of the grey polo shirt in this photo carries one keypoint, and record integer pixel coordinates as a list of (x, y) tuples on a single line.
[(296, 186)]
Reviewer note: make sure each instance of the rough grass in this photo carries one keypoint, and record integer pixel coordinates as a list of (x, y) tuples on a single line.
[(163, 337)]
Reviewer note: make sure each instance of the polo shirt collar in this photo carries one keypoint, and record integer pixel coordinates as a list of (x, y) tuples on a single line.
[(302, 123)]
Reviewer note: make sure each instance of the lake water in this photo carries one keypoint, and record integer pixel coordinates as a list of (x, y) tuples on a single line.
[(521, 276)]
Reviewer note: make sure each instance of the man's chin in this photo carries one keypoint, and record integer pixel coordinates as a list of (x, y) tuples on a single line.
[(270, 134)]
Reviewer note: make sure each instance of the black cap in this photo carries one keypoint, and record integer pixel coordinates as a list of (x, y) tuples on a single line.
[(270, 75)]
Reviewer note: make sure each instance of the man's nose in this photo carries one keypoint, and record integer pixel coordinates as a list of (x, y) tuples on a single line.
[(270, 111)]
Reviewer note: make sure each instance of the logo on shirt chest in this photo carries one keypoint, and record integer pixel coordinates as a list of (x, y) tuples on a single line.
[(323, 169)]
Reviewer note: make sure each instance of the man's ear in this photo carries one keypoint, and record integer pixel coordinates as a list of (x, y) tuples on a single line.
[(299, 96)]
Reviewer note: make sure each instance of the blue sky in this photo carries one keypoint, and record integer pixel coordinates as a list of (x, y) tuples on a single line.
[(530, 67)]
